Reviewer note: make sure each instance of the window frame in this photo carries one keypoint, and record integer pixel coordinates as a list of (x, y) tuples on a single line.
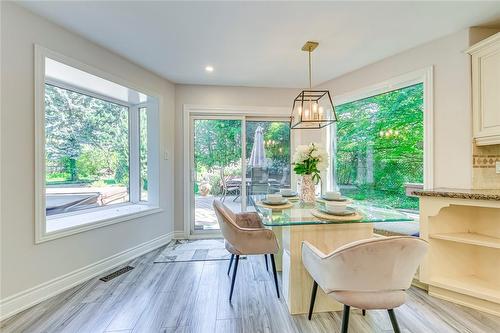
[(424, 76), (106, 215)]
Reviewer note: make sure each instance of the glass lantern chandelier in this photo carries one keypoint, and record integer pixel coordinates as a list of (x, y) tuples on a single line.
[(312, 109)]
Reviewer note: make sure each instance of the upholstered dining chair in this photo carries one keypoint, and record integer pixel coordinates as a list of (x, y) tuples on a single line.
[(244, 234), (367, 274)]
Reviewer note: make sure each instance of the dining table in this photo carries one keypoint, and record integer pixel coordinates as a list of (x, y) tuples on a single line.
[(307, 222)]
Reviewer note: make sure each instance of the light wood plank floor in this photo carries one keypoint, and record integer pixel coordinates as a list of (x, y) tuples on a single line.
[(193, 297)]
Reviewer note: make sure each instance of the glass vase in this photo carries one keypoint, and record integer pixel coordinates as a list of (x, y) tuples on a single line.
[(307, 191)]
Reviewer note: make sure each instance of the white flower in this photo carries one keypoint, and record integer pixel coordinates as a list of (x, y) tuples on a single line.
[(311, 159), (303, 149)]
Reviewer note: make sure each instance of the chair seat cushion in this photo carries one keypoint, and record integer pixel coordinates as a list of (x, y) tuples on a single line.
[(370, 300)]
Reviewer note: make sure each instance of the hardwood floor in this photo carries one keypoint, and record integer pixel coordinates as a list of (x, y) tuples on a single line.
[(193, 297)]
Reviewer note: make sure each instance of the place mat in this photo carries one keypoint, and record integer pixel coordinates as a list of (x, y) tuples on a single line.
[(275, 207), (329, 217)]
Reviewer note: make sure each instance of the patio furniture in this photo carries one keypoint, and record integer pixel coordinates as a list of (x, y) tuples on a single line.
[(58, 203), (367, 274), (275, 186), (244, 234), (228, 187), (259, 184)]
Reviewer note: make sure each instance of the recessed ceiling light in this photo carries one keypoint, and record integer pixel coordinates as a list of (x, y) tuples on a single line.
[(209, 69)]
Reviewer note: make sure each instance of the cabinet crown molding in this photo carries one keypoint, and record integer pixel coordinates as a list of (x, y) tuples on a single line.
[(484, 43)]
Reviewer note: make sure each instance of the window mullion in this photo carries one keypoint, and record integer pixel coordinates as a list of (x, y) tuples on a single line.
[(134, 160)]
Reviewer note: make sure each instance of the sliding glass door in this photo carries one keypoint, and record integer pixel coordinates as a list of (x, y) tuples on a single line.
[(236, 160), (216, 168)]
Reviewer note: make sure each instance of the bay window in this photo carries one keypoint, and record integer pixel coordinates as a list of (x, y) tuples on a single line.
[(97, 149)]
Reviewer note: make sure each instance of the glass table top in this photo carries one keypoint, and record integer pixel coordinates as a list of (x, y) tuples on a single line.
[(301, 214)]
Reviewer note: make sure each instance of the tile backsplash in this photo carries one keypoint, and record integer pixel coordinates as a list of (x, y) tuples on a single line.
[(484, 175)]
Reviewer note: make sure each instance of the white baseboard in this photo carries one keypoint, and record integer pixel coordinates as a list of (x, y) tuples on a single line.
[(207, 235), (14, 304)]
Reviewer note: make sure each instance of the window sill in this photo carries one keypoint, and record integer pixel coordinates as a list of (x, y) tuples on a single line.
[(57, 227)]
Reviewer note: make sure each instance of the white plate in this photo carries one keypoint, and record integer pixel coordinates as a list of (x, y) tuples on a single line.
[(275, 203), (346, 212)]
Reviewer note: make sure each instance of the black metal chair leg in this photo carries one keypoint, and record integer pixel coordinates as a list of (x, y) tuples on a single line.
[(267, 265), (345, 319), (394, 321), (363, 312), (313, 299), (234, 277), (230, 264), (275, 275)]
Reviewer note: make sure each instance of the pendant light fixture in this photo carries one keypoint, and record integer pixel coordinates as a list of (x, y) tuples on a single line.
[(312, 109)]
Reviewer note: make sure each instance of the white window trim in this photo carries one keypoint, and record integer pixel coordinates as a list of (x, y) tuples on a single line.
[(229, 112), (424, 76), (102, 216)]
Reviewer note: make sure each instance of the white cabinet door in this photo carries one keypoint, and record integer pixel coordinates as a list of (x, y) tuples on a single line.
[(486, 90)]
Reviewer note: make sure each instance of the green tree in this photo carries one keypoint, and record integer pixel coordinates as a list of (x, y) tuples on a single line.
[(217, 143), (76, 124), (380, 145)]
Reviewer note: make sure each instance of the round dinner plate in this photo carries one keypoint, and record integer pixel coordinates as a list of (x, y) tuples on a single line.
[(339, 199), (346, 212), (275, 203)]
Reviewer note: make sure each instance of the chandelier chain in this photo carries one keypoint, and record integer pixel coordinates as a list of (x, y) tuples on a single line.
[(310, 71)]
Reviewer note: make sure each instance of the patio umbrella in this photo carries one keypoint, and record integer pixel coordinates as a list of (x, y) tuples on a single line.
[(258, 155)]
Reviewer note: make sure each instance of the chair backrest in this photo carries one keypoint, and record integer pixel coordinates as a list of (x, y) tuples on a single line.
[(227, 222), (259, 175), (284, 178), (378, 264), (222, 178)]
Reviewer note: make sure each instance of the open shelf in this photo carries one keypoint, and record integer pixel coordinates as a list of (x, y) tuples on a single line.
[(469, 238), (469, 285)]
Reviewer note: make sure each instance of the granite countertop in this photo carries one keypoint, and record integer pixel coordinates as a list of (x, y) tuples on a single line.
[(460, 193)]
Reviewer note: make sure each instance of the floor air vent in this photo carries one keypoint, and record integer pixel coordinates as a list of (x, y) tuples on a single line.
[(116, 273)]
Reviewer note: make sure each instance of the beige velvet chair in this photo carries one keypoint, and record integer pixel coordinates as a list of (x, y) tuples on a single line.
[(244, 234), (367, 274)]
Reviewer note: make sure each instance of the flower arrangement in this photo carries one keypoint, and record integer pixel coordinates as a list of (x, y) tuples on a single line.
[(310, 160)]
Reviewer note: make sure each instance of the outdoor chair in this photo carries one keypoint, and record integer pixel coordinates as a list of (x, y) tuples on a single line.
[(227, 187), (259, 184)]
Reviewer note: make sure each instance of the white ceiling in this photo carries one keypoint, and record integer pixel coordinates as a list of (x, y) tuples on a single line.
[(258, 43)]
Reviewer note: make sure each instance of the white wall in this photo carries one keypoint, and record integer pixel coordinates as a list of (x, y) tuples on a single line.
[(452, 101), (216, 96), (23, 264)]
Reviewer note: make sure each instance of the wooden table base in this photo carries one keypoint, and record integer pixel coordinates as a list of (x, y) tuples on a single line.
[(297, 283)]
